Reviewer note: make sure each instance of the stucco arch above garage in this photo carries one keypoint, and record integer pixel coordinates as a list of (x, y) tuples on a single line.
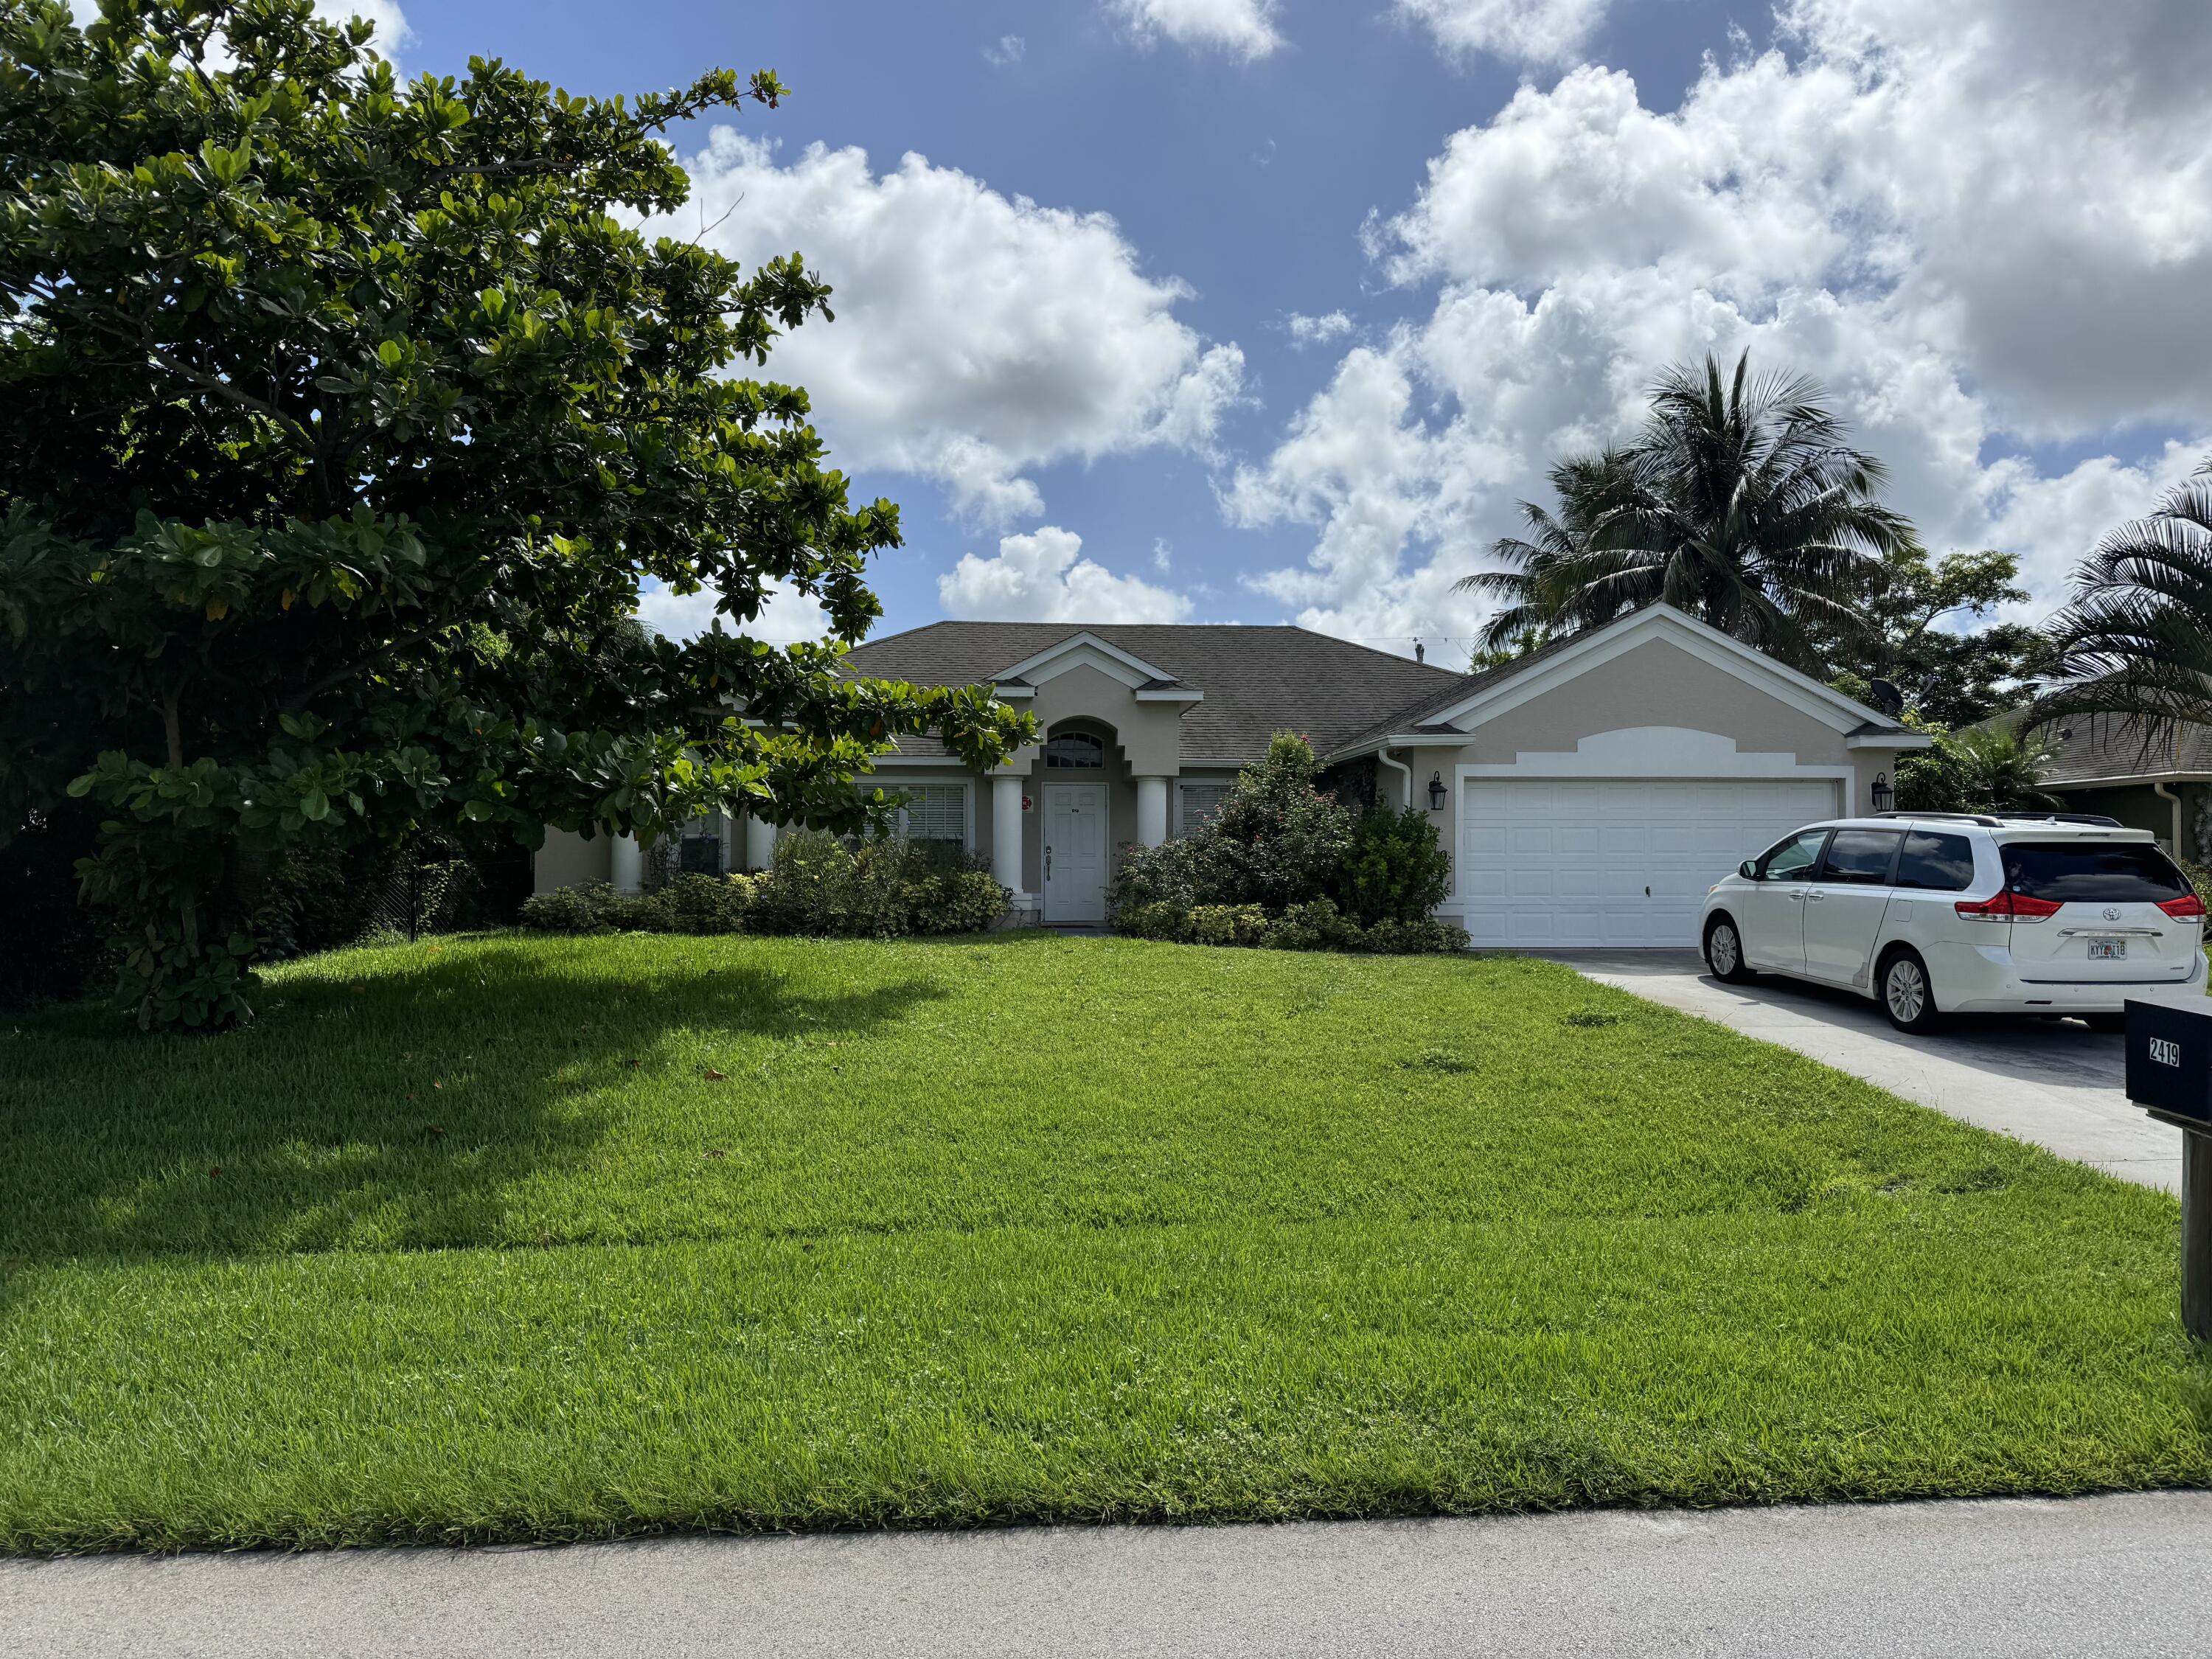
[(1659, 682)]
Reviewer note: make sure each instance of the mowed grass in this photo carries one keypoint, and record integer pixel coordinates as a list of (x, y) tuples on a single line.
[(504, 1238)]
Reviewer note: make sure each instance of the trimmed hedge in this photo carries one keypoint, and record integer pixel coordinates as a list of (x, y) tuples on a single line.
[(817, 886), (1317, 925)]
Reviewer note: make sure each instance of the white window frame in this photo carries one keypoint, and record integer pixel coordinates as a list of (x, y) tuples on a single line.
[(1182, 824)]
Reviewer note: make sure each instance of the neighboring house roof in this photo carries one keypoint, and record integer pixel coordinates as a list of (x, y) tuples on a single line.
[(2093, 748), (1254, 681)]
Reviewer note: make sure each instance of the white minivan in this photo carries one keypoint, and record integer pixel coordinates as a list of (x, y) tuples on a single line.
[(1935, 914)]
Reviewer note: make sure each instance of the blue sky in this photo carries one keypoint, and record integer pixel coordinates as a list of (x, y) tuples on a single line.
[(1370, 265)]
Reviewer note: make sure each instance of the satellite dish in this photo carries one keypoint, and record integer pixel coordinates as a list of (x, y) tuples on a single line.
[(1888, 697)]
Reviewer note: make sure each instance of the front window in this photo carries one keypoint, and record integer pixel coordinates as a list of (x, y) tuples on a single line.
[(1197, 802), (2091, 873), (935, 814), (1074, 751), (1794, 858)]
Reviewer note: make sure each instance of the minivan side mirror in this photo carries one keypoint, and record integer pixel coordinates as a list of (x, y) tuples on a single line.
[(1749, 870)]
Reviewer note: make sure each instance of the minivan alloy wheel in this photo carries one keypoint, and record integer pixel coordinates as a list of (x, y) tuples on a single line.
[(1904, 988), (1724, 950)]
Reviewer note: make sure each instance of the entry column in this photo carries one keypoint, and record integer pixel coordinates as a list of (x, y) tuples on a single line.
[(1151, 812), (1006, 833), (626, 865), (760, 843)]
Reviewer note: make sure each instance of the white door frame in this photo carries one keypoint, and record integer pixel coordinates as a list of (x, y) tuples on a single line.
[(1098, 791)]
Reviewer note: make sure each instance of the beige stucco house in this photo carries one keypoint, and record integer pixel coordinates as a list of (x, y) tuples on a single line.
[(1589, 794)]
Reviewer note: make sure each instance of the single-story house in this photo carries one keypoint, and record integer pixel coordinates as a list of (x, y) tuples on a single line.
[(1589, 794), (2100, 763)]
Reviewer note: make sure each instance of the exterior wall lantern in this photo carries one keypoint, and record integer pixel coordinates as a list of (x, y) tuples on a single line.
[(1436, 792), (1883, 794)]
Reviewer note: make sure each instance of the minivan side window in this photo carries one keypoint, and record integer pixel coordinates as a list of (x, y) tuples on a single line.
[(1860, 857), (1939, 863), (1794, 858)]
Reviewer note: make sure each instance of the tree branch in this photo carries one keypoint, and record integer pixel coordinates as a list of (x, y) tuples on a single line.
[(227, 389), (300, 699)]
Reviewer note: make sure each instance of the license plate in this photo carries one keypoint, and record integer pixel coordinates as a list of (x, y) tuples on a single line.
[(2107, 950)]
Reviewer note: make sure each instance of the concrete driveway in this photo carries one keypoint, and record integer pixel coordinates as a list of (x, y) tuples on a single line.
[(2055, 1083)]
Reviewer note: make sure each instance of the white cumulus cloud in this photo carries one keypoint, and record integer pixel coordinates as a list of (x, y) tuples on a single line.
[(1044, 577), (788, 617), (1987, 227), (1243, 28), (977, 336), (1306, 331), (1522, 31)]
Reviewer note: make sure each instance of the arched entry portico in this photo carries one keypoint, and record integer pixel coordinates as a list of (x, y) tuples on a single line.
[(1076, 780)]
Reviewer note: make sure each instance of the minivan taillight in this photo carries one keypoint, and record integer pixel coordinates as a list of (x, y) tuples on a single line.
[(2187, 908), (2008, 906)]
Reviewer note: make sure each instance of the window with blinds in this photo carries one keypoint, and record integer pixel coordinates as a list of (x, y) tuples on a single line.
[(935, 814), (1197, 802)]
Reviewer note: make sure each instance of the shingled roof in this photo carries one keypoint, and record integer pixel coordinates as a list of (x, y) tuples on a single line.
[(2098, 748), (1256, 680)]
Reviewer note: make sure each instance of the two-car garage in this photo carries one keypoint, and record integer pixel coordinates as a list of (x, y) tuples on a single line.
[(1558, 863)]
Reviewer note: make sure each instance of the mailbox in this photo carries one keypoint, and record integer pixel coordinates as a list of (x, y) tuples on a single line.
[(2170, 1073), (2170, 1059)]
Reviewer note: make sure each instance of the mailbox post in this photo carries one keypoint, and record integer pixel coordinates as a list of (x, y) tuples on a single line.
[(2170, 1073)]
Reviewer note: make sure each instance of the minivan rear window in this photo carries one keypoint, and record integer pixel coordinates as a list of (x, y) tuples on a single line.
[(2083, 873)]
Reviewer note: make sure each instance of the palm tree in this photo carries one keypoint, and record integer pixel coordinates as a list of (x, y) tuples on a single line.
[(2136, 641), (1739, 502), (2002, 770)]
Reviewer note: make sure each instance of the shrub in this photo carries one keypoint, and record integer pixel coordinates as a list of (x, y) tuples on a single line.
[(960, 901), (1274, 866), (1276, 842), (1931, 780), (817, 885), (1164, 876), (1225, 924), (700, 903), (1393, 869), (1419, 936), (569, 909), (1315, 926), (1156, 920)]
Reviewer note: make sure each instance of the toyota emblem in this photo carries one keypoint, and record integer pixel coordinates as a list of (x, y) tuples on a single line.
[(2111, 913)]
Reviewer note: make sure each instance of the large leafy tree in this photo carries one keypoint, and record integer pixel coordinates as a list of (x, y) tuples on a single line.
[(1739, 502), (1929, 634), (2136, 642), (340, 420)]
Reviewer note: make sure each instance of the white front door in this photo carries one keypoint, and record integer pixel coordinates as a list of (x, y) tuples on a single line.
[(1557, 863), (1075, 852)]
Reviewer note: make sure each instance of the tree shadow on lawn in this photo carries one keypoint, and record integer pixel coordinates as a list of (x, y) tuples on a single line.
[(395, 1110)]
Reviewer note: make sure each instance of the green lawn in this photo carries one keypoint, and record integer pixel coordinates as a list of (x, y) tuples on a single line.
[(504, 1238)]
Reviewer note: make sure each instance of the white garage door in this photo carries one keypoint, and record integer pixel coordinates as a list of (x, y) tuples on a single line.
[(1594, 861)]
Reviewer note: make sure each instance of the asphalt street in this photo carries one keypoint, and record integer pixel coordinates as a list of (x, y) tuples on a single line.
[(2085, 1578)]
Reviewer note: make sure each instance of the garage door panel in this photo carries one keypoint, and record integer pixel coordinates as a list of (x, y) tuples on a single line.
[(1561, 863)]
